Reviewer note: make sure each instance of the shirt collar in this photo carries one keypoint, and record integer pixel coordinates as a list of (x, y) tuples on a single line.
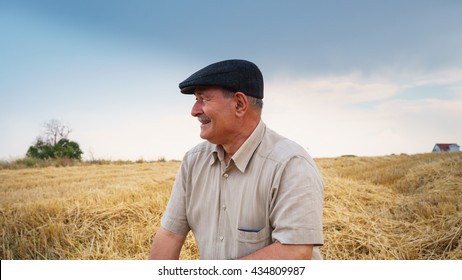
[(243, 155)]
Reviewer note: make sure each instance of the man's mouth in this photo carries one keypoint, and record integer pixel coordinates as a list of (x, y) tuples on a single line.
[(204, 119)]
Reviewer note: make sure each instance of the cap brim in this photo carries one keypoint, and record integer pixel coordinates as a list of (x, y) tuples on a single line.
[(188, 90)]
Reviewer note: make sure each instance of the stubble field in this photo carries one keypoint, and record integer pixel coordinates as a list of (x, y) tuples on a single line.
[(391, 207)]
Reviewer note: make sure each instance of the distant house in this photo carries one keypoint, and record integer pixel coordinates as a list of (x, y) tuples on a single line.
[(446, 148)]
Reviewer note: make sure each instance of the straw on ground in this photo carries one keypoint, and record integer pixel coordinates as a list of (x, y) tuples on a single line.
[(391, 207)]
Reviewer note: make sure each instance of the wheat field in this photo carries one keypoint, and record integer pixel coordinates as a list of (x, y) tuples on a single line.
[(386, 208)]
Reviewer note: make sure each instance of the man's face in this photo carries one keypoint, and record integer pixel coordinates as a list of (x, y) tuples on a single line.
[(215, 113)]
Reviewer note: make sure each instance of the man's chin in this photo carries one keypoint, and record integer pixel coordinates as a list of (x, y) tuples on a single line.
[(207, 137), (205, 129), (204, 135)]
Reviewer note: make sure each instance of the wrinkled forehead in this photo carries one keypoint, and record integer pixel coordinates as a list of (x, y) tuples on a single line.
[(201, 90)]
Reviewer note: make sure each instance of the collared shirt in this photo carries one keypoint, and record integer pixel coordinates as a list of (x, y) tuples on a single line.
[(271, 190)]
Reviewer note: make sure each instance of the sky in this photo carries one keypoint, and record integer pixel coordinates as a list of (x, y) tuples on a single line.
[(365, 78)]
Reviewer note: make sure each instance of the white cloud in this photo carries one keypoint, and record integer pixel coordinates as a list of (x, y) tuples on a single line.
[(449, 76), (334, 89), (327, 115)]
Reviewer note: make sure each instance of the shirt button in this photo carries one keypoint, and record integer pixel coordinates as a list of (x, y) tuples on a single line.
[(224, 207), (221, 238), (225, 175)]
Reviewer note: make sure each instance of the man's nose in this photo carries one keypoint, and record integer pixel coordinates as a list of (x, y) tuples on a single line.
[(197, 109)]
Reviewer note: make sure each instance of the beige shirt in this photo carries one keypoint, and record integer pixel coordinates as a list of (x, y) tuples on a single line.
[(271, 190)]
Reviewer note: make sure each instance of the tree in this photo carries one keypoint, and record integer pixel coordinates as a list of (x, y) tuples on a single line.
[(66, 148), (56, 143), (41, 150), (55, 131)]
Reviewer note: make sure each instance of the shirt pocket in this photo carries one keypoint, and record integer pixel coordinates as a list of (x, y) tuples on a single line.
[(249, 241)]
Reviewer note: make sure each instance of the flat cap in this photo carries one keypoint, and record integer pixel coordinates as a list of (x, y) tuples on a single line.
[(234, 74)]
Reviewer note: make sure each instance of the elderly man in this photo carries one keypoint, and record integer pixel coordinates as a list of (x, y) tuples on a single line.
[(246, 192)]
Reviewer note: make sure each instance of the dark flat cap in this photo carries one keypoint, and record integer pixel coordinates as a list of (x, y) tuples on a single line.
[(234, 74)]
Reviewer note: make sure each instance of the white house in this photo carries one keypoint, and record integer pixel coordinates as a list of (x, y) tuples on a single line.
[(446, 148)]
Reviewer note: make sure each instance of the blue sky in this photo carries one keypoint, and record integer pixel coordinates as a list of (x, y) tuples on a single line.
[(341, 77)]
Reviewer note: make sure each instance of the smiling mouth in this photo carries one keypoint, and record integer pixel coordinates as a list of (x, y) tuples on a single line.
[(203, 119)]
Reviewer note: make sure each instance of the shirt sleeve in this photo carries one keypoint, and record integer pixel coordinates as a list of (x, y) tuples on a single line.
[(297, 203), (174, 218)]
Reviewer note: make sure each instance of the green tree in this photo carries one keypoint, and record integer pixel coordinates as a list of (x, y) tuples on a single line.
[(41, 150), (56, 145), (67, 148)]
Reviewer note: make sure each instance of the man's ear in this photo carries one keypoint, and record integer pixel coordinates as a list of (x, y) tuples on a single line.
[(242, 103)]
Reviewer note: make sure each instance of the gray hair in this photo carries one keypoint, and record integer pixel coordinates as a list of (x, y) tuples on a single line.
[(257, 103)]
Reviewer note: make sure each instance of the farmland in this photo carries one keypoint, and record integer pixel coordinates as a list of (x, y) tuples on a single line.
[(389, 207)]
